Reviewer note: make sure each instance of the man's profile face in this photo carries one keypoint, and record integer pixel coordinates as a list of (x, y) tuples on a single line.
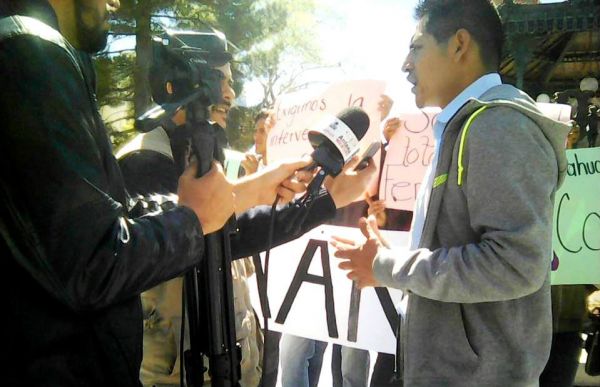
[(227, 94), (429, 68), (92, 23), (219, 113), (260, 136)]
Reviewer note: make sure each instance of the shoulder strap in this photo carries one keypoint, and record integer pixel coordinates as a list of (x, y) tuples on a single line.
[(463, 139), (16, 25)]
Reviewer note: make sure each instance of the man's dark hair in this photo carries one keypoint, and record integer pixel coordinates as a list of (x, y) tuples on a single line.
[(479, 17), (263, 114)]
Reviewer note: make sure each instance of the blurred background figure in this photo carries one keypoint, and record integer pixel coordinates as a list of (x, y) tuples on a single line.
[(263, 122), (592, 128), (573, 135)]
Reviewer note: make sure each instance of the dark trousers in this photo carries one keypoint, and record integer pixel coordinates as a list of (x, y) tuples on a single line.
[(383, 372), (564, 359)]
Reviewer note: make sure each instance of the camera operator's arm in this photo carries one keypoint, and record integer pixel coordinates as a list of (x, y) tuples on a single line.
[(294, 219), (62, 198)]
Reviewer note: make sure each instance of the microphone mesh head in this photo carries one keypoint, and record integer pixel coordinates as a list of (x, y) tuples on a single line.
[(356, 119)]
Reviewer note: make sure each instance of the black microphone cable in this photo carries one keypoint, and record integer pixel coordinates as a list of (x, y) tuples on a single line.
[(266, 310), (307, 200)]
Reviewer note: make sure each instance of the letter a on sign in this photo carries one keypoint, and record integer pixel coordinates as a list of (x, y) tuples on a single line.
[(302, 275)]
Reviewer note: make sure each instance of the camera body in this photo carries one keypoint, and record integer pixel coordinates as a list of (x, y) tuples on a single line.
[(181, 66), (184, 73)]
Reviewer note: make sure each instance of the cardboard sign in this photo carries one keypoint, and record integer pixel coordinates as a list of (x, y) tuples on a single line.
[(409, 153), (309, 296), (576, 233), (299, 112)]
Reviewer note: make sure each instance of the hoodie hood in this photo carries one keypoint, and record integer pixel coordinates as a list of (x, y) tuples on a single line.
[(509, 96)]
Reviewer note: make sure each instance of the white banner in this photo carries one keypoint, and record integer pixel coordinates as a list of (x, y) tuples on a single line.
[(310, 296)]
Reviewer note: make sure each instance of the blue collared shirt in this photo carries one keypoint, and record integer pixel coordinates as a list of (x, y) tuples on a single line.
[(474, 90)]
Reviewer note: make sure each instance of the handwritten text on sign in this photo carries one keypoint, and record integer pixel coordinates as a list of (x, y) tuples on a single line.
[(408, 155), (309, 296), (296, 113), (411, 150), (576, 234)]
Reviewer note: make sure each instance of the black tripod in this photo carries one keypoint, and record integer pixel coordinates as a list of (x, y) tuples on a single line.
[(208, 291)]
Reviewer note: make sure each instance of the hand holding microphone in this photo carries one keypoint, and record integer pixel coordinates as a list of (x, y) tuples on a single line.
[(336, 143), (351, 183)]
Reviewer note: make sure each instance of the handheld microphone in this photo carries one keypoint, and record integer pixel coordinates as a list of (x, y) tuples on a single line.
[(335, 141)]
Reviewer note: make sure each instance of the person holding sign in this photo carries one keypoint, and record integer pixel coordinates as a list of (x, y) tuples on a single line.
[(258, 155), (477, 273)]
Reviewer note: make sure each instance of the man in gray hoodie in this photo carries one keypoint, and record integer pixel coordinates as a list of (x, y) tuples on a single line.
[(477, 273)]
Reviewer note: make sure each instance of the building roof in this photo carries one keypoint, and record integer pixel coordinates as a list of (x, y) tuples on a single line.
[(551, 46)]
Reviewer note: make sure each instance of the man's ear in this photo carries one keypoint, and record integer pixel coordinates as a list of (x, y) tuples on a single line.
[(460, 44)]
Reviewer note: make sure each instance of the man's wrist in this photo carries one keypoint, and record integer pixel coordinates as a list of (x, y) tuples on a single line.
[(383, 266), (247, 193)]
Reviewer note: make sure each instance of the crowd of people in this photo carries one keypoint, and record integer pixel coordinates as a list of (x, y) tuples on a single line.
[(95, 246)]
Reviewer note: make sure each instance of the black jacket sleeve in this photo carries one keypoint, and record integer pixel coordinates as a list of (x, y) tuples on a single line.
[(291, 221), (148, 172), (62, 212)]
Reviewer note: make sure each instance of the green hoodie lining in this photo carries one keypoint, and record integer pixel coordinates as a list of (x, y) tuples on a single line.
[(463, 139)]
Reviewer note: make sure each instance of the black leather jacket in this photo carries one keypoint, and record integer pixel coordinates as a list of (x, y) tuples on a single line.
[(73, 262)]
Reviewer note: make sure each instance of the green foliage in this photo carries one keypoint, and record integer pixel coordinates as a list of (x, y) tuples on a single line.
[(115, 85), (277, 61), (240, 128)]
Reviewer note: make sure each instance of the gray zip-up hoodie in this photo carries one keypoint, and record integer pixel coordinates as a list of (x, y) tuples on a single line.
[(479, 285)]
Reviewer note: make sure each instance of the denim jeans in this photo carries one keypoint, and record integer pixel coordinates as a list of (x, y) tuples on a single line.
[(301, 361), (355, 367)]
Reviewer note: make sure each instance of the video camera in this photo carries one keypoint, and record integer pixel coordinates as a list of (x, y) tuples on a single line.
[(183, 72)]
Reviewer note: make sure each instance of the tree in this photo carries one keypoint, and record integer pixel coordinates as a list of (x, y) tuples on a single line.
[(278, 61)]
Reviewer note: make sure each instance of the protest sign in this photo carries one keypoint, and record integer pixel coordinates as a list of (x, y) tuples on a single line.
[(576, 233), (297, 113), (409, 153), (309, 296)]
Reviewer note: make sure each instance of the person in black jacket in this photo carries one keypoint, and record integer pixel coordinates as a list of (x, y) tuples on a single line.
[(74, 263)]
